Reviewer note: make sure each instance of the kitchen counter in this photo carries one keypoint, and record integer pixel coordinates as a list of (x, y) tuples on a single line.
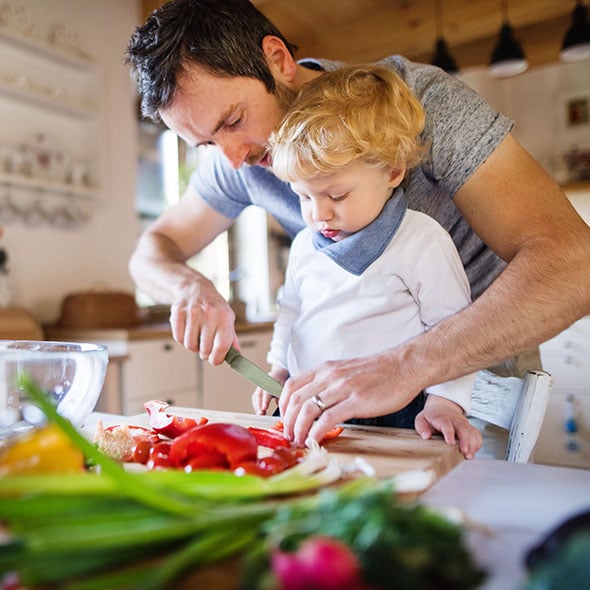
[(515, 506), (141, 332), (511, 505)]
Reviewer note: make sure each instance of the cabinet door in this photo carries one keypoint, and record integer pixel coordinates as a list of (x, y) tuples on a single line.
[(566, 358), (557, 445), (158, 369), (223, 388)]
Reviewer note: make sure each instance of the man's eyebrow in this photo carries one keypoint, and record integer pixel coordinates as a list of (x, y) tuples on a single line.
[(224, 117)]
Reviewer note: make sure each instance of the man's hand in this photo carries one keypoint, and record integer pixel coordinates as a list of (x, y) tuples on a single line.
[(354, 388), (444, 416), (203, 321)]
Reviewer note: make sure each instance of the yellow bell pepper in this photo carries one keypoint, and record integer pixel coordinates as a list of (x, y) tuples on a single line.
[(45, 450)]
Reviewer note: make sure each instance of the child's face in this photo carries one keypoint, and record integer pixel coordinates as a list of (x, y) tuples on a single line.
[(346, 201)]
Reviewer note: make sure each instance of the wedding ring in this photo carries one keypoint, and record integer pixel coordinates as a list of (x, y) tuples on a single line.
[(317, 400)]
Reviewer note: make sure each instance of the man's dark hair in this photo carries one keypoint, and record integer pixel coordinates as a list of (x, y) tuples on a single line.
[(223, 36)]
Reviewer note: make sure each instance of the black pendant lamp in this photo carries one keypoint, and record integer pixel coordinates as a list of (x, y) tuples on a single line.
[(508, 58), (576, 43), (442, 57)]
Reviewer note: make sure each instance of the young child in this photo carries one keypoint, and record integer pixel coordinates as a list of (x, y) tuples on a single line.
[(367, 273)]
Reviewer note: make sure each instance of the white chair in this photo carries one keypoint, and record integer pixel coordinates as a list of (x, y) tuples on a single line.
[(501, 404)]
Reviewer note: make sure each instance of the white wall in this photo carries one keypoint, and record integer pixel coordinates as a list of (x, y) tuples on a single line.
[(46, 262), (535, 100)]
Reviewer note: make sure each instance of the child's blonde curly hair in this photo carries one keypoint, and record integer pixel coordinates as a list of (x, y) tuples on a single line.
[(363, 112)]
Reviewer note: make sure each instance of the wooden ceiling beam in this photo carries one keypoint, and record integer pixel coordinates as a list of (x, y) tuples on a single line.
[(365, 30)]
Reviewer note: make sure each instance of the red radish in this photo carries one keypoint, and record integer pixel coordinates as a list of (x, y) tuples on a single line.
[(320, 563)]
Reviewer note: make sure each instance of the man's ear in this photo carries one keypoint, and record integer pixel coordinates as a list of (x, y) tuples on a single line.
[(281, 62), (396, 175)]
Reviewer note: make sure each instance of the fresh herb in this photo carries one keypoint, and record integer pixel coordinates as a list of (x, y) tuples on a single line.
[(398, 545)]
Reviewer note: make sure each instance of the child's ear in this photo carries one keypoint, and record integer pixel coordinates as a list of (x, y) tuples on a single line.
[(396, 175)]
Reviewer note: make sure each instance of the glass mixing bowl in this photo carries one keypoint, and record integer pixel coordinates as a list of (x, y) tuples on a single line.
[(70, 373)]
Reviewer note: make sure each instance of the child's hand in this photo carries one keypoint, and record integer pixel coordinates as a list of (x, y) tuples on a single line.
[(444, 416), (261, 400)]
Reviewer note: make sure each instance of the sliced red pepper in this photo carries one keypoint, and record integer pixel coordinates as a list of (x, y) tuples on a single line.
[(141, 452), (333, 433), (336, 431), (167, 424), (231, 440), (262, 468), (250, 468), (206, 458), (160, 455), (269, 438), (280, 459), (290, 456)]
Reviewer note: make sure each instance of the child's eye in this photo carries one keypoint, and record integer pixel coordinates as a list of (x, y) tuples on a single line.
[(338, 197)]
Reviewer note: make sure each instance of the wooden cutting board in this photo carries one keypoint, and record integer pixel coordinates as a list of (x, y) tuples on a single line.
[(390, 451)]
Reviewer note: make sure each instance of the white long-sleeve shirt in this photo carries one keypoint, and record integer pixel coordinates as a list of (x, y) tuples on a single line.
[(328, 313)]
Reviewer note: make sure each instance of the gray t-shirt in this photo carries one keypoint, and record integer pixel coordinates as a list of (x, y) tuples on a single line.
[(462, 130)]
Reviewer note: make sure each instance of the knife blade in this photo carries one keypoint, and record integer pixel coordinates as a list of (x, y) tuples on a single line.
[(251, 371)]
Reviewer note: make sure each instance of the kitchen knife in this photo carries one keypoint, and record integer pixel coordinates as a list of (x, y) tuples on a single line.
[(252, 372)]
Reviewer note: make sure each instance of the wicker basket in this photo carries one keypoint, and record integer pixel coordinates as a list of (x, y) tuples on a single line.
[(99, 309), (19, 324)]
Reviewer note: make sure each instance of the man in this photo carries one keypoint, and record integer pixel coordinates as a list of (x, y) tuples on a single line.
[(218, 73)]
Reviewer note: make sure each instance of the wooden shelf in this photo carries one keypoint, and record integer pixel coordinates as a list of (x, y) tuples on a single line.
[(46, 50), (55, 104), (48, 186)]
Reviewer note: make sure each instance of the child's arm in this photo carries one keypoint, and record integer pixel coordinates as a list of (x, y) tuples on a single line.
[(447, 417), (260, 398)]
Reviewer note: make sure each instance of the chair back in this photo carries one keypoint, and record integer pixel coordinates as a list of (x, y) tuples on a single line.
[(512, 404)]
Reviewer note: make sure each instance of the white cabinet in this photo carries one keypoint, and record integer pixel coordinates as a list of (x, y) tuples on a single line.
[(221, 388), (565, 435), (158, 369)]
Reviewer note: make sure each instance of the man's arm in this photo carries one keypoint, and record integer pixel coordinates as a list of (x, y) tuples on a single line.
[(521, 213), (200, 317)]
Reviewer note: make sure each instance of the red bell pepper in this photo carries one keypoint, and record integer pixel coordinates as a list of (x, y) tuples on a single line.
[(279, 460), (167, 424), (333, 433), (269, 438), (235, 443), (159, 455), (206, 458)]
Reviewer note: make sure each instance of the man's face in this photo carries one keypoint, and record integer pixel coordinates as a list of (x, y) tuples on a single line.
[(235, 114)]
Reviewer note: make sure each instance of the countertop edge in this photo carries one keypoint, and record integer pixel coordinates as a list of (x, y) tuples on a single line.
[(142, 332)]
